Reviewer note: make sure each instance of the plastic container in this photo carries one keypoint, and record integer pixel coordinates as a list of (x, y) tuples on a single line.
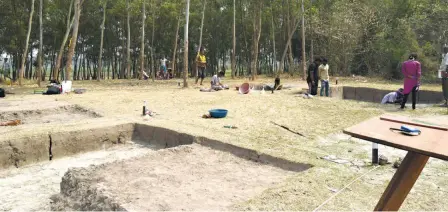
[(218, 113), (244, 88)]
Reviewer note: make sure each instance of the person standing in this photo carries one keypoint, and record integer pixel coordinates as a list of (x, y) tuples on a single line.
[(201, 65), (412, 72), (313, 78), (324, 77), (443, 74), (163, 66)]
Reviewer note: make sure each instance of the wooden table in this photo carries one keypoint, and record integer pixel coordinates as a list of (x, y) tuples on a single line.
[(433, 142)]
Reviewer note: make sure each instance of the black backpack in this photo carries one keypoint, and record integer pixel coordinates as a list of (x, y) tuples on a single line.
[(2, 93), (52, 90)]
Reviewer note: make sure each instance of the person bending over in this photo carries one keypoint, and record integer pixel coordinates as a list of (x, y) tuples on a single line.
[(395, 97)]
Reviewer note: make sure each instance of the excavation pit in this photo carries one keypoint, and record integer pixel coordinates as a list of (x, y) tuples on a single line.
[(137, 167), (39, 147), (182, 173)]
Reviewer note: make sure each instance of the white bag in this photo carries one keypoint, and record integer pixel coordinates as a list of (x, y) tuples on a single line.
[(66, 86)]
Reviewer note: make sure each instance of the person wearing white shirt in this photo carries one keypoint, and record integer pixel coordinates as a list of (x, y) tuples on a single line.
[(164, 68), (443, 74), (216, 82)]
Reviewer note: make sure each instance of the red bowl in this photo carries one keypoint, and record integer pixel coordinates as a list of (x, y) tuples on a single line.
[(244, 88)]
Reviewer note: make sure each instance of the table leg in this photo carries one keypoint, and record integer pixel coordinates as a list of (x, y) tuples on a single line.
[(402, 182)]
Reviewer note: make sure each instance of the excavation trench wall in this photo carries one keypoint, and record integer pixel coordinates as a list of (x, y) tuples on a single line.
[(376, 95), (162, 137), (22, 151)]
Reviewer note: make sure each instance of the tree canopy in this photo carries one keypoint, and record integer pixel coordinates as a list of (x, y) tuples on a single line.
[(361, 37)]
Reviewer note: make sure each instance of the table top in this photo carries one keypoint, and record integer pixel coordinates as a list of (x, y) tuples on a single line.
[(432, 142)]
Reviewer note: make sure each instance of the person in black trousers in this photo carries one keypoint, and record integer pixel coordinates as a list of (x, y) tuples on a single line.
[(412, 72), (313, 77)]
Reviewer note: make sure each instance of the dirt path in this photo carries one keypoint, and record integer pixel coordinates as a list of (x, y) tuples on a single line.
[(29, 188)]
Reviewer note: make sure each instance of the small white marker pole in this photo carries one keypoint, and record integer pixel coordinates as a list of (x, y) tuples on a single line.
[(375, 158)]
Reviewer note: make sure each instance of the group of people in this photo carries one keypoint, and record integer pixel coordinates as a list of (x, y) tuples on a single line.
[(412, 72), (318, 71), (201, 65)]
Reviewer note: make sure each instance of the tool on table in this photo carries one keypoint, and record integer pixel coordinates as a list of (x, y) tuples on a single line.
[(231, 127), (408, 130)]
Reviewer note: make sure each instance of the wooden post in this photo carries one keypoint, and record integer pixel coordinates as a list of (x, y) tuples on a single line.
[(402, 182)]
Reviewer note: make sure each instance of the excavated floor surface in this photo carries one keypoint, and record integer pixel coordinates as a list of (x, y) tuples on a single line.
[(191, 177)]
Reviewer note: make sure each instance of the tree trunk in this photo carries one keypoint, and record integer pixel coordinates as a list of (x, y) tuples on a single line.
[(187, 18), (39, 60), (64, 41), (274, 65), (200, 34), (311, 38), (76, 68), (52, 65), (153, 73), (25, 52), (84, 73), (108, 70), (289, 25), (173, 62), (288, 43), (256, 39), (74, 39), (234, 42), (123, 59), (29, 69), (128, 46), (114, 64), (142, 48), (100, 59), (303, 41)]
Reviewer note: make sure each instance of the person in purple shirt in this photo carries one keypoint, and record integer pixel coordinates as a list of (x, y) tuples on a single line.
[(412, 72)]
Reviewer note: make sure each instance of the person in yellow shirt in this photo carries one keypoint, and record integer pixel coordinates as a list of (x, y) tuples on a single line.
[(201, 65), (324, 77)]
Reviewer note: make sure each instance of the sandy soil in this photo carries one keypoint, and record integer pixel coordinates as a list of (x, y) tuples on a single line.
[(320, 119), (185, 178), (36, 183), (45, 113), (23, 103)]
